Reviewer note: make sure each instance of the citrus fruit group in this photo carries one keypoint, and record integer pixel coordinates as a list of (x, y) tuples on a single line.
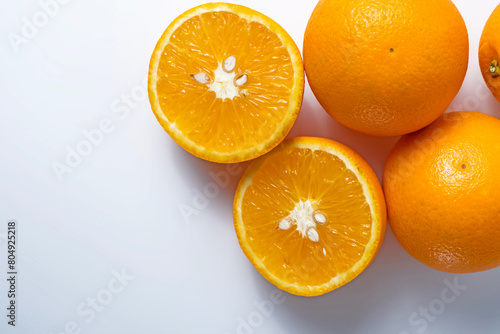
[(442, 191), (489, 53), (226, 82), (385, 68), (310, 215)]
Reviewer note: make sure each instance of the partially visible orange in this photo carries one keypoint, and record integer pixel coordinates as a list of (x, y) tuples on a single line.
[(310, 215), (226, 82), (442, 190), (386, 68), (489, 53)]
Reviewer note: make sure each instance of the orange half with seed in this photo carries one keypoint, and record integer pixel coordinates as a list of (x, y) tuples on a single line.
[(310, 215), (226, 82)]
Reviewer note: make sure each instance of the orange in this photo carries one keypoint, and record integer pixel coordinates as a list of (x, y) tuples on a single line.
[(489, 48), (226, 82), (442, 190), (386, 68), (310, 215)]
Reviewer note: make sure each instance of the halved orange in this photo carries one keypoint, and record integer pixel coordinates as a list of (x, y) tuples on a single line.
[(310, 215), (226, 82)]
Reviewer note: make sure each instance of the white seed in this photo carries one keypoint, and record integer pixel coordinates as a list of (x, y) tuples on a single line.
[(324, 252), (202, 78), (312, 234), (319, 218), (241, 80), (229, 64), (244, 93), (285, 224)]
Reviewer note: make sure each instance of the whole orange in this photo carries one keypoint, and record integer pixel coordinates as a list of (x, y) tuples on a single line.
[(386, 68), (442, 190), (489, 48)]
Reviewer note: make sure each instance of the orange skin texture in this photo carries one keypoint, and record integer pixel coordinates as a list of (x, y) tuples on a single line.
[(489, 47), (386, 67), (442, 191)]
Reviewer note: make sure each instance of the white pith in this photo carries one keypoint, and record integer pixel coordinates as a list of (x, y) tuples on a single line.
[(223, 83), (226, 84), (305, 219)]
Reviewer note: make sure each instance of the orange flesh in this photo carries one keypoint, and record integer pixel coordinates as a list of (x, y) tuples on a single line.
[(281, 182), (199, 45)]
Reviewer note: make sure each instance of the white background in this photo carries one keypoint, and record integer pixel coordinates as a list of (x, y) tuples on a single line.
[(119, 209)]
